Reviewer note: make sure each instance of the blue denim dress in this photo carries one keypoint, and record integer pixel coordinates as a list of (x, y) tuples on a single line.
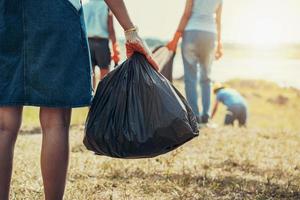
[(44, 56)]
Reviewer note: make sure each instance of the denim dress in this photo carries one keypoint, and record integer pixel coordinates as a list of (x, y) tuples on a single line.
[(44, 56)]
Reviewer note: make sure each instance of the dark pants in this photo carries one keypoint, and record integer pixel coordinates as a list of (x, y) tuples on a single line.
[(100, 52), (236, 112)]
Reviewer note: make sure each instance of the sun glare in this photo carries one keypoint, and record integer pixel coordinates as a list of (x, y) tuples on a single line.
[(262, 23), (265, 32)]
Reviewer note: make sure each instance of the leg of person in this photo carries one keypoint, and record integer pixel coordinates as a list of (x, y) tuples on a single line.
[(205, 83), (229, 118), (10, 122), (242, 118), (206, 41), (103, 72), (94, 77), (55, 150), (190, 70), (93, 60)]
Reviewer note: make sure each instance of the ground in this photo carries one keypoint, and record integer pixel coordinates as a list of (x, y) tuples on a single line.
[(260, 162)]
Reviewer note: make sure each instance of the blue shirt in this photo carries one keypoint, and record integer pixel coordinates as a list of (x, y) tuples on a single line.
[(230, 97), (96, 18), (203, 15)]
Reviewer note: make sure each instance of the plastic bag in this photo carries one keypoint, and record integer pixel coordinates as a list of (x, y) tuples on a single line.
[(137, 113), (165, 59)]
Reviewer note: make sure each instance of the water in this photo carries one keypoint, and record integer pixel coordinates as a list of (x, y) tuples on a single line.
[(285, 72)]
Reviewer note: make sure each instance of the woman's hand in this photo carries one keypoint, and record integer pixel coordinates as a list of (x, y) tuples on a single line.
[(135, 44), (219, 51), (172, 45)]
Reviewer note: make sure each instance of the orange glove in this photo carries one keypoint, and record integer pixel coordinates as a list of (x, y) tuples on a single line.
[(116, 53), (135, 44), (172, 46)]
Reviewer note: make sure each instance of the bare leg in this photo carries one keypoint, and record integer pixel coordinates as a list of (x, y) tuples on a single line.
[(94, 81), (103, 73), (94, 77), (10, 122), (55, 150)]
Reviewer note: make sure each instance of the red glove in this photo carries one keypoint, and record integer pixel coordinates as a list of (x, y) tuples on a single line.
[(135, 44), (116, 53), (172, 45)]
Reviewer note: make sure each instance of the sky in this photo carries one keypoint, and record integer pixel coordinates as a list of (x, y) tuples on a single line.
[(260, 22)]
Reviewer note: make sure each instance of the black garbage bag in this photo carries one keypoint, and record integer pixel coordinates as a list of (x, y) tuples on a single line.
[(137, 113), (165, 58)]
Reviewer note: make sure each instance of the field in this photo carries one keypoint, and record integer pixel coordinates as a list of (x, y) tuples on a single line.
[(260, 162)]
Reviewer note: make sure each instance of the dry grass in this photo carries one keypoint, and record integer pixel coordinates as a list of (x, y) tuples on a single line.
[(261, 162)]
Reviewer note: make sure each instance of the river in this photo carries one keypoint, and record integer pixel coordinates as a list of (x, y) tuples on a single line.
[(285, 72)]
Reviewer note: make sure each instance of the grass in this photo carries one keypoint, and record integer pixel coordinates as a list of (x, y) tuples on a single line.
[(260, 162)]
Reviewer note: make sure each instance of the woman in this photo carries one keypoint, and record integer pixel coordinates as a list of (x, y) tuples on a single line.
[(200, 26), (44, 62)]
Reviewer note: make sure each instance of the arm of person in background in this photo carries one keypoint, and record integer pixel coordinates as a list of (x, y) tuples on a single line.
[(172, 45), (133, 41), (219, 51), (112, 35), (215, 109)]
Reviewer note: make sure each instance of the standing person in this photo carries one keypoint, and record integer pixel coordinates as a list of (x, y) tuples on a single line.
[(235, 103), (200, 27), (44, 62), (100, 28)]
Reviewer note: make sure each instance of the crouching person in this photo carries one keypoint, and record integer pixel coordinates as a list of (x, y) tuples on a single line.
[(235, 103)]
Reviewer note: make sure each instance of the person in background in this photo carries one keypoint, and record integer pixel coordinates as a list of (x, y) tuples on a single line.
[(100, 28), (235, 103), (200, 27), (54, 75)]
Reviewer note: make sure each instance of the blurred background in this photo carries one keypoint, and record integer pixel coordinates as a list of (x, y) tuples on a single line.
[(261, 37)]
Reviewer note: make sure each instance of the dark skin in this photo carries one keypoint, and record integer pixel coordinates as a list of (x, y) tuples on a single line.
[(10, 122), (119, 9), (55, 148), (55, 125)]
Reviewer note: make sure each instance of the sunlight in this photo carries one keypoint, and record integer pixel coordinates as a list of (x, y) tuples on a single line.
[(265, 33), (255, 22), (264, 27), (259, 23)]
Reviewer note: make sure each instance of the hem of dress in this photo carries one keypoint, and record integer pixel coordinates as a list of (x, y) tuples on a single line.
[(45, 105)]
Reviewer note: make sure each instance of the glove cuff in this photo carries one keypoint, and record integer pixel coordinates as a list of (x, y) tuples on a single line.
[(131, 34)]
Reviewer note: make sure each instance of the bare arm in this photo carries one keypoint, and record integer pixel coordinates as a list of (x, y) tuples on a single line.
[(215, 109), (219, 23), (186, 15), (219, 51), (172, 45), (111, 29), (120, 11)]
